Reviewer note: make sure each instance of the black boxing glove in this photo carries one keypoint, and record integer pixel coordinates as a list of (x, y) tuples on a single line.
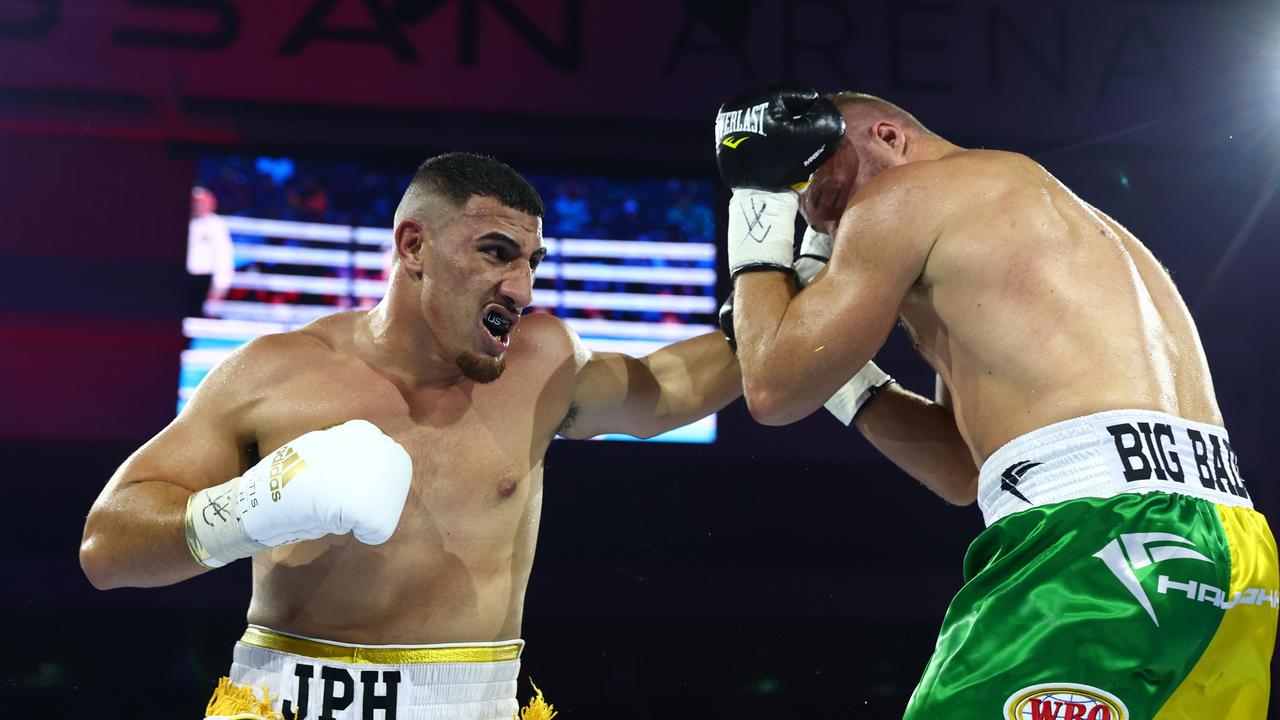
[(768, 142), (726, 322), (775, 137)]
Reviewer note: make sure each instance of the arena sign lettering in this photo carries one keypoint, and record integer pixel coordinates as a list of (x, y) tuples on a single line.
[(1165, 452), (318, 22), (1064, 701), (338, 692), (642, 60)]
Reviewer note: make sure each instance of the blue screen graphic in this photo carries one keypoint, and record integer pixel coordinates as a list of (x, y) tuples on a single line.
[(283, 241)]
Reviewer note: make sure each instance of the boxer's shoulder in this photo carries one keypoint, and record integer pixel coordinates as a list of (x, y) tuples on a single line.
[(267, 362), (280, 350), (330, 339), (971, 169), (980, 175), (947, 188), (551, 352), (543, 339), (231, 397), (907, 203), (982, 161), (905, 187), (335, 333)]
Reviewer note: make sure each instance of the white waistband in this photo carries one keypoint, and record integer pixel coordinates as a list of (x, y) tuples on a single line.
[(1108, 453), (458, 681)]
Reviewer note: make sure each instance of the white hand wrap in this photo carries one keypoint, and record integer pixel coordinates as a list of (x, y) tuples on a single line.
[(346, 478), (853, 395), (762, 229), (815, 251)]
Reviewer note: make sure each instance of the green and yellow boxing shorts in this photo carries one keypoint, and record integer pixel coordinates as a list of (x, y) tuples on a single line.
[(1123, 575)]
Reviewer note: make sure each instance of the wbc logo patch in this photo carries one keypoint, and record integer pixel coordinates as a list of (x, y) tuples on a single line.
[(1064, 701)]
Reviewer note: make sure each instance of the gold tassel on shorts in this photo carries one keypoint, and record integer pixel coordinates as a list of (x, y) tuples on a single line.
[(239, 702), (538, 708)]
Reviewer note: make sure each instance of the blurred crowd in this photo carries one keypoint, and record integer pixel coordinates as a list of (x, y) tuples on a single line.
[(342, 193)]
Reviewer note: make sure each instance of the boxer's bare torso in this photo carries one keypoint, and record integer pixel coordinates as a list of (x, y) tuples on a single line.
[(1034, 307), (457, 566), (446, 367)]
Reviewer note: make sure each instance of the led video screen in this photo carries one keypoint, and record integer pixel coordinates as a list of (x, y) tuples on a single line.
[(279, 242)]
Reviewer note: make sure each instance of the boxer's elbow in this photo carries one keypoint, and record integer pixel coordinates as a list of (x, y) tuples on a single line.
[(102, 559), (770, 389), (95, 562), (961, 492), (770, 407)]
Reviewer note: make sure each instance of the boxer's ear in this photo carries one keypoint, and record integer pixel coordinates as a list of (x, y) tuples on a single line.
[(889, 134), (408, 246)]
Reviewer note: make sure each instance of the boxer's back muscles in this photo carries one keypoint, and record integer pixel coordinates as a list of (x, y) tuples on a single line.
[(1034, 307), (1061, 344)]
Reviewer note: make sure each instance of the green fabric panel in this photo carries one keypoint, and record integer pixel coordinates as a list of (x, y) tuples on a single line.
[(1045, 600)]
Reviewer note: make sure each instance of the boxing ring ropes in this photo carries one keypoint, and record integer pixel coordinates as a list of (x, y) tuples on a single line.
[(230, 323)]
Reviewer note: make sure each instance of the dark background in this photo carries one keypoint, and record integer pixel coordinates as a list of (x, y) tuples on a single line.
[(778, 573)]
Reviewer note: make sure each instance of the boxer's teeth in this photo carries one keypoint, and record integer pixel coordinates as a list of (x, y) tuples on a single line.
[(496, 324)]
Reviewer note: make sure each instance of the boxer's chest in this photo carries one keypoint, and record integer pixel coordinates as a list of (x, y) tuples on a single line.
[(471, 450)]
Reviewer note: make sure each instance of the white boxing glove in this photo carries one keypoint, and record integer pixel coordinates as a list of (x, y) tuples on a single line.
[(815, 251), (762, 229), (347, 478)]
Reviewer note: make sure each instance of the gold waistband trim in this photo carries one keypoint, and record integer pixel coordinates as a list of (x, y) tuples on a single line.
[(378, 655)]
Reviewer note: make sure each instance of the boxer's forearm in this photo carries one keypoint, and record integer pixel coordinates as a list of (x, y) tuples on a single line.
[(790, 365), (696, 377), (760, 302), (920, 436), (135, 537)]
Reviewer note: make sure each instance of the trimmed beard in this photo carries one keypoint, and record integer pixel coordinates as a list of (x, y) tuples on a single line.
[(481, 368)]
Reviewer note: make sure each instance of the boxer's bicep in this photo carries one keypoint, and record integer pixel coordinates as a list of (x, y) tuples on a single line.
[(133, 534), (195, 451), (842, 318), (608, 388), (849, 309), (666, 389), (880, 250), (208, 442)]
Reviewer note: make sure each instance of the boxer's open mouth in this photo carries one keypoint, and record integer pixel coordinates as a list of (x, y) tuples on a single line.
[(497, 323)]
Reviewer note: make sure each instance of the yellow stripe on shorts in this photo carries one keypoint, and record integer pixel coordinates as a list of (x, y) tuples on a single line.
[(378, 655), (1231, 680)]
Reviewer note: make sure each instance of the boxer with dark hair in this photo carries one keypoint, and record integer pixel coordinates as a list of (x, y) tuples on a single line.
[(1123, 573), (383, 468)]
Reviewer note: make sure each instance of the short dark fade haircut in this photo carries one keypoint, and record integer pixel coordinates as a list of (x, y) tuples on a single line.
[(457, 176)]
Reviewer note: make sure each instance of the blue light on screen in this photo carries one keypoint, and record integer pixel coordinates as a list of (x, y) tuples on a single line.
[(630, 264)]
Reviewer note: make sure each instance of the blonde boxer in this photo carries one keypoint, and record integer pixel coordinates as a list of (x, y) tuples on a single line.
[(1124, 573)]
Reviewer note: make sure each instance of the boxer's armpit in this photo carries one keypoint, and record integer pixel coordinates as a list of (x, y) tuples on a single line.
[(567, 423)]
